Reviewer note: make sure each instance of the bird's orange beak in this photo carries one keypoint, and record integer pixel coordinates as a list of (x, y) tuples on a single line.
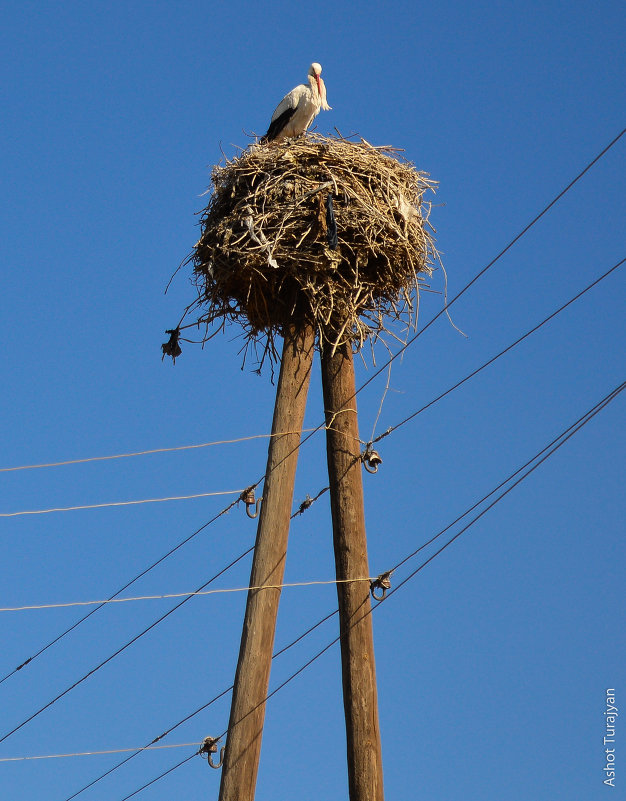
[(319, 86)]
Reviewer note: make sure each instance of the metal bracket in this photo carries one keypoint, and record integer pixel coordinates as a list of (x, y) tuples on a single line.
[(208, 748), (247, 496), (383, 582), (371, 459)]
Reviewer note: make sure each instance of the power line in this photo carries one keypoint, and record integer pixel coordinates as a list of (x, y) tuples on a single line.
[(407, 344), (478, 275), (144, 572), (520, 339), (413, 415), (128, 584), (95, 753), (554, 445), (494, 260), (196, 711), (502, 352), (441, 312), (220, 591), (145, 747), (309, 501), (121, 503), (123, 648), (533, 463), (561, 440), (143, 453), (545, 454)]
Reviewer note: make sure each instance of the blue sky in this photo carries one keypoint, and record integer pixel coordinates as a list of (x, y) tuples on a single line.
[(493, 662)]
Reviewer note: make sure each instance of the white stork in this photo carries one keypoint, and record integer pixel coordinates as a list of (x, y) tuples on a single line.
[(297, 110)]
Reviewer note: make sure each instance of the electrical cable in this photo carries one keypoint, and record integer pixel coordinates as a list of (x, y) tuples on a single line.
[(533, 463), (406, 345), (168, 596), (195, 712), (123, 648), (96, 753), (309, 501), (141, 750), (535, 328), (467, 286), (548, 451), (478, 275), (120, 503), (144, 453), (121, 589), (502, 352)]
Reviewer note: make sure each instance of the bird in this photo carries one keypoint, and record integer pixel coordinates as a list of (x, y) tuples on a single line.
[(297, 110)]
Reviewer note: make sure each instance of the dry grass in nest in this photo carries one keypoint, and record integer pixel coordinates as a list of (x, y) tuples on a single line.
[(266, 256)]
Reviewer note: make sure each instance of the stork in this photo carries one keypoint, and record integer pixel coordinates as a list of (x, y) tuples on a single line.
[(297, 110)]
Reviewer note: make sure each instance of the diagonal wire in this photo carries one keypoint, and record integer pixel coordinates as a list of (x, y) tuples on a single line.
[(308, 501), (196, 711), (401, 350), (123, 648), (532, 465), (120, 503), (520, 339), (493, 261), (502, 352), (478, 275), (118, 592), (143, 453), (410, 342)]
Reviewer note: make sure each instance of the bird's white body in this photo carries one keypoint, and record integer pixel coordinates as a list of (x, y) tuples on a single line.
[(297, 110)]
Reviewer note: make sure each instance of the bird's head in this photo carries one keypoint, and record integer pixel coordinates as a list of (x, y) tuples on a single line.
[(315, 70)]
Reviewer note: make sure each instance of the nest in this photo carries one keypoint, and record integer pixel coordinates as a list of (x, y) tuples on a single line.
[(315, 231)]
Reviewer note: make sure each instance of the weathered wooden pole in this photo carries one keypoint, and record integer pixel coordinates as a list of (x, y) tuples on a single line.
[(247, 713), (365, 767)]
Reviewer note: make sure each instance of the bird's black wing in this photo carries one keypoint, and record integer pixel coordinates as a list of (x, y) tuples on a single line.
[(278, 124)]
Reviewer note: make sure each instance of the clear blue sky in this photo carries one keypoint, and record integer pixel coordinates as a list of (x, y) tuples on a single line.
[(493, 663)]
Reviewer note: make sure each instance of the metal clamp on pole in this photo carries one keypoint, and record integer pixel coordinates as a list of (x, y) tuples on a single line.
[(383, 582), (247, 496), (208, 748), (371, 459)]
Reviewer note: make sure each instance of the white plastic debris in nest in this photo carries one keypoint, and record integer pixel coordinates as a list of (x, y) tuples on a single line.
[(407, 210), (260, 239)]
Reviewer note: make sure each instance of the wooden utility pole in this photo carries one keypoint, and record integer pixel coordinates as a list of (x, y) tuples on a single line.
[(247, 713), (365, 767)]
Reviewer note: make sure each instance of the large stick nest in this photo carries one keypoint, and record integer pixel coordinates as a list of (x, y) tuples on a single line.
[(316, 230)]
